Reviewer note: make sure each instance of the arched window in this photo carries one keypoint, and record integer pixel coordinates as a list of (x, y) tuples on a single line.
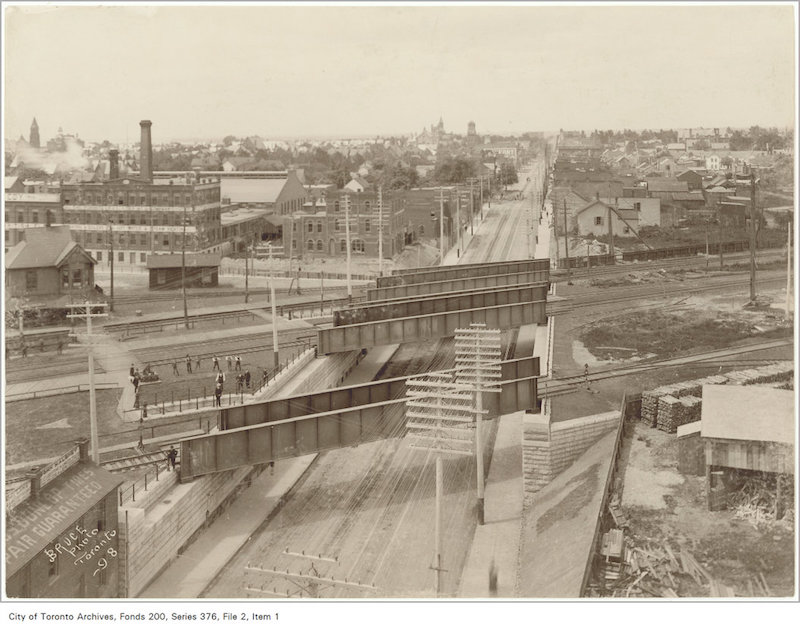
[(343, 246), (310, 244), (319, 245), (366, 205)]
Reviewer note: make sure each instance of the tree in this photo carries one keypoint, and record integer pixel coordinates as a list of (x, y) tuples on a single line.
[(508, 173)]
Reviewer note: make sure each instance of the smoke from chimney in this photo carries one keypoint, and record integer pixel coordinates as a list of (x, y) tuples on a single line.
[(146, 151), (113, 170)]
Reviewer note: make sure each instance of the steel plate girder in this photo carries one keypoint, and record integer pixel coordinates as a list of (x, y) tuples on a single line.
[(458, 284), (346, 396), (428, 327), (438, 274), (472, 266), (467, 300), (282, 439)]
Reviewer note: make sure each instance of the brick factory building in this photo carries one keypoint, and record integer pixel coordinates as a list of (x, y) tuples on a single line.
[(143, 215)]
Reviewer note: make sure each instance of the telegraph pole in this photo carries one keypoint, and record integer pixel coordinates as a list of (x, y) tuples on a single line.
[(458, 223), (246, 270), (88, 314), (788, 267), (380, 231), (275, 355), (752, 236), (183, 271), (347, 237), (566, 244), (111, 253), (471, 207), (441, 226)]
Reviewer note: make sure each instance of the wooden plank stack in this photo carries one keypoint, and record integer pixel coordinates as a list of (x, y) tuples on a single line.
[(780, 371), (673, 412)]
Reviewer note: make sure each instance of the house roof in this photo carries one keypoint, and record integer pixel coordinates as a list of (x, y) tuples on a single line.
[(666, 185), (9, 181), (687, 196), (748, 413), (173, 261), (38, 522), (43, 247)]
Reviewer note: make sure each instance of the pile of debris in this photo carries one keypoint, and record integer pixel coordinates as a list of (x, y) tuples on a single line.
[(756, 500), (628, 570)]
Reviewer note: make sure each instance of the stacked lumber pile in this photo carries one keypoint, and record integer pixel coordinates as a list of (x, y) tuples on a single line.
[(673, 412), (650, 400), (780, 371)]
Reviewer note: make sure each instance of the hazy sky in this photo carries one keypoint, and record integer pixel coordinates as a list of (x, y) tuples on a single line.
[(207, 71)]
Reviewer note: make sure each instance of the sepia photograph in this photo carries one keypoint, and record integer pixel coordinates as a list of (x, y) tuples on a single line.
[(425, 304)]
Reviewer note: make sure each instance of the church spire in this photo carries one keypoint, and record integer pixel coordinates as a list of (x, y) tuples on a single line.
[(34, 140)]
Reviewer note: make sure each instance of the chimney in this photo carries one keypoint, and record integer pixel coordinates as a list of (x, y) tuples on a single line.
[(113, 170), (146, 151), (35, 475)]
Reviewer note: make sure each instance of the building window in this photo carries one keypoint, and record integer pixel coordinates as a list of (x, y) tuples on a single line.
[(337, 225), (99, 256), (121, 256), (294, 226), (310, 244), (319, 245), (343, 246), (310, 227), (422, 230), (358, 245), (77, 277), (31, 280), (637, 206), (161, 277), (336, 206), (20, 217), (366, 205), (35, 216), (294, 245), (319, 226), (143, 239), (367, 225), (142, 258), (598, 220), (65, 278)]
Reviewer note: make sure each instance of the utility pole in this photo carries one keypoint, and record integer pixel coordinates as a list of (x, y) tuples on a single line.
[(788, 267), (719, 224), (478, 354), (347, 238), (566, 244), (458, 223), (438, 413), (275, 354), (471, 207), (88, 315), (380, 231), (480, 181), (752, 236), (611, 237), (246, 271), (441, 226), (111, 254), (183, 271), (706, 246)]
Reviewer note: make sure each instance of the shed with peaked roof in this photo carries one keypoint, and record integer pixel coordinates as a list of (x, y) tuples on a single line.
[(166, 270)]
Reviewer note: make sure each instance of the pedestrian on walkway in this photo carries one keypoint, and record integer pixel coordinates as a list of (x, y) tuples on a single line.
[(229, 362), (172, 455), (247, 379), (144, 411), (188, 364), (238, 364), (217, 394), (264, 375), (215, 360), (135, 382), (60, 347), (175, 372), (24, 350), (197, 367), (132, 371), (239, 382), (220, 378)]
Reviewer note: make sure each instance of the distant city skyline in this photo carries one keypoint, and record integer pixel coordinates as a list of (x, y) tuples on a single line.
[(365, 71)]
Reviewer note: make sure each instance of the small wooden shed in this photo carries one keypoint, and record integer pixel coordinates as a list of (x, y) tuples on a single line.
[(166, 270)]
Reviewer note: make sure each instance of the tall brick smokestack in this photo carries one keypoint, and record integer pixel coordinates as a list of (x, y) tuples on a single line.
[(146, 151), (113, 169)]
